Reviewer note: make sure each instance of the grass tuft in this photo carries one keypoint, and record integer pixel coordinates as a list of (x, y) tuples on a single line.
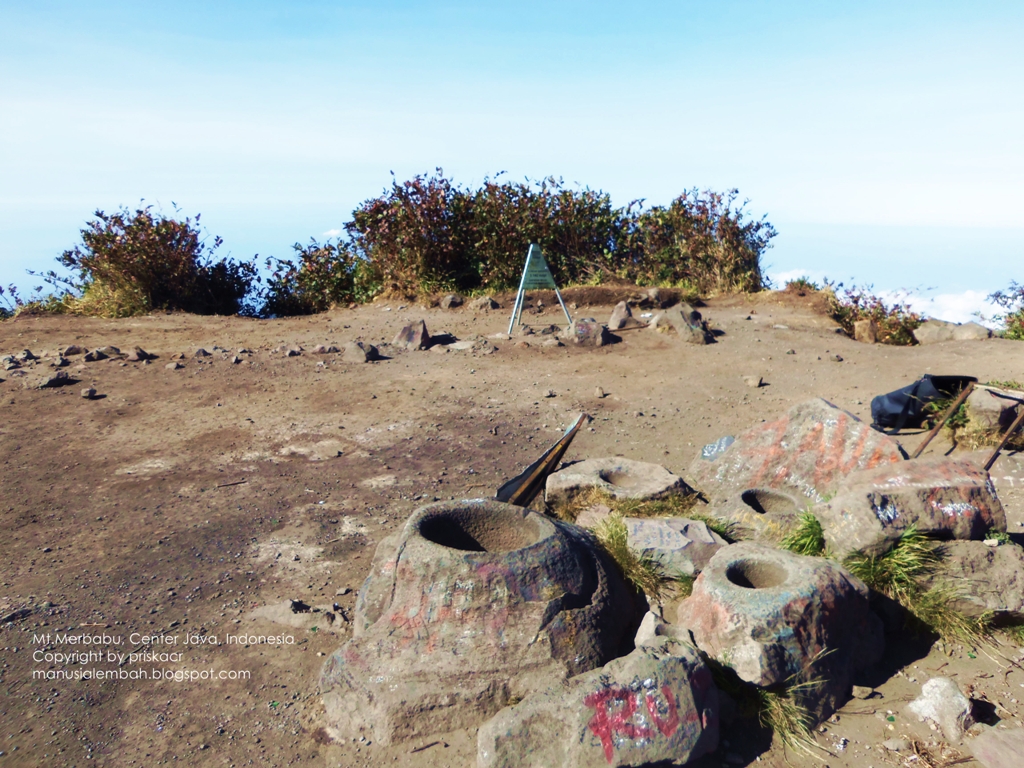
[(642, 570), (807, 538)]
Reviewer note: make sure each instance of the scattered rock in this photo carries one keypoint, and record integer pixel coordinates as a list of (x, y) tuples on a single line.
[(599, 393), (109, 351), (293, 352), (175, 366), (658, 705), (680, 544), (935, 331), (768, 613), (94, 356), (998, 748), (897, 745), (622, 317), (942, 702), (866, 331), (836, 358), (89, 393), (587, 332), (549, 393), (25, 355), (863, 692), (412, 336), (201, 353), (451, 301), (432, 615), (620, 478), (753, 381), (550, 343), (51, 381), (484, 303), (235, 359), (685, 321), (359, 352), (138, 355), (71, 350), (942, 497), (992, 409)]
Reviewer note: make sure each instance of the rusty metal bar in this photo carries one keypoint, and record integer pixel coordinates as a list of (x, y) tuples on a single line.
[(945, 417), (1006, 438)]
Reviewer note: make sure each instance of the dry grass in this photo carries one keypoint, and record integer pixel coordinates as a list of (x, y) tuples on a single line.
[(673, 505), (642, 570)]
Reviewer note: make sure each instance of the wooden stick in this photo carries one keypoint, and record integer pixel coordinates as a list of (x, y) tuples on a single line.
[(1005, 440), (946, 416), (225, 485)]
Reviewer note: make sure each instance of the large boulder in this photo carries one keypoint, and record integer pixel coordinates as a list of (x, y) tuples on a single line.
[(805, 453), (775, 617), (971, 332), (935, 331), (471, 604), (866, 331), (941, 497), (681, 545), (587, 332), (412, 336), (987, 578), (658, 705), (619, 478)]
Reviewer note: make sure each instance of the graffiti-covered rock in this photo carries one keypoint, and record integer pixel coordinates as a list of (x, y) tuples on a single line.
[(471, 604), (941, 497), (656, 705), (680, 545), (776, 617), (805, 453)]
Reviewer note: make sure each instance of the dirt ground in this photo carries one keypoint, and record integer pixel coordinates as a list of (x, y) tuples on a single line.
[(193, 502)]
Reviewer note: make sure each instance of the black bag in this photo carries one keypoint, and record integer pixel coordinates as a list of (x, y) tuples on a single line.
[(906, 406)]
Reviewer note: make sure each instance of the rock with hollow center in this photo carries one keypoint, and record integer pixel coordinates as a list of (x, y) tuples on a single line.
[(775, 617), (805, 453), (471, 604), (658, 705), (619, 478), (941, 497)]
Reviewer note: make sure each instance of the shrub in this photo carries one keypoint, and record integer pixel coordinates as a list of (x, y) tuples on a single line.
[(427, 234), (323, 275), (802, 286), (896, 322), (132, 263), (9, 302), (1012, 300)]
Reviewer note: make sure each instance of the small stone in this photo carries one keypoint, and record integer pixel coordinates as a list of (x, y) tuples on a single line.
[(94, 356), (201, 353), (598, 392), (451, 301), (866, 331), (897, 745), (359, 352), (293, 352), (139, 355), (484, 303), (862, 692), (549, 393), (790, 351), (109, 351), (58, 379), (942, 702), (836, 358), (412, 336), (72, 349), (88, 393), (319, 349), (174, 366), (235, 360), (753, 381), (343, 591)]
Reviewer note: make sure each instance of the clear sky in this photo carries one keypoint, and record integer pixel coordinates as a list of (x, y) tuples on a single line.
[(884, 140)]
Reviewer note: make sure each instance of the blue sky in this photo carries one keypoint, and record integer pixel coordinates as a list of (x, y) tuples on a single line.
[(885, 141)]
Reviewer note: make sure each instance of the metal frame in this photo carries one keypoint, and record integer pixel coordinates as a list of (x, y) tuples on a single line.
[(517, 310)]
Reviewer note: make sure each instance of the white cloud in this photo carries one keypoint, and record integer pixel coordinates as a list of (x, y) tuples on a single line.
[(332, 233)]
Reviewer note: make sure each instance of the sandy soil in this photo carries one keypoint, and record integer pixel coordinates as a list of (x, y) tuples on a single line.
[(195, 501)]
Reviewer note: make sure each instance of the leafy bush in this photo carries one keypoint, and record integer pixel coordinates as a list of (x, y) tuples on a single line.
[(896, 322), (132, 263), (323, 275), (1011, 300), (801, 286), (427, 234)]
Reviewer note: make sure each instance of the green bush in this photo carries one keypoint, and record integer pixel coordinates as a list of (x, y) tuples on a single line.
[(428, 234), (322, 275), (9, 302), (896, 322), (132, 263), (1012, 300)]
